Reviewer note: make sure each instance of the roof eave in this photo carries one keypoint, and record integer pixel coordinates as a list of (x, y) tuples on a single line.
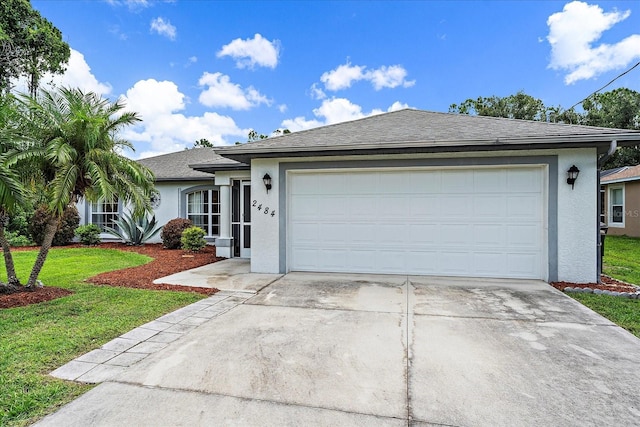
[(245, 154), (213, 168)]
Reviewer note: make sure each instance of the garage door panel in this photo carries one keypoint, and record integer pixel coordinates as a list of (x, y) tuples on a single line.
[(523, 236), (459, 222), (423, 182), (489, 263), (489, 206), (524, 206), (489, 235), (452, 206), (489, 181), (424, 206), (456, 181), (521, 180)]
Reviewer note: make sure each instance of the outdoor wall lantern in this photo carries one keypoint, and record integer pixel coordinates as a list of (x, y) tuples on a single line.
[(267, 181), (572, 175)]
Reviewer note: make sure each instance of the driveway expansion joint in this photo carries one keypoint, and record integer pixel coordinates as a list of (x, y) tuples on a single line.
[(101, 364)]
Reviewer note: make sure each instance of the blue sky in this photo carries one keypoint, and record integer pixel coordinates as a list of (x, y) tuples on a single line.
[(215, 69)]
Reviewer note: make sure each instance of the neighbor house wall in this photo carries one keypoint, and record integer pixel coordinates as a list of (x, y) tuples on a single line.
[(631, 209), (572, 255)]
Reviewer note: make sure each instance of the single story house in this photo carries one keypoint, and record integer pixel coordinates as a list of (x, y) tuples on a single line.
[(408, 192), (621, 200)]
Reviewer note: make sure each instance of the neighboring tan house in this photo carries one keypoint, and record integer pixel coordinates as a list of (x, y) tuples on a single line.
[(621, 200), (408, 192)]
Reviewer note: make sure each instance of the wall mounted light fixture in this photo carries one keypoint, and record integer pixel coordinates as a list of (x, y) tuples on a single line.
[(267, 181), (572, 175)]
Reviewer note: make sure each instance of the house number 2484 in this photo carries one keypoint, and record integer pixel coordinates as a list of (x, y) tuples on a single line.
[(264, 210)]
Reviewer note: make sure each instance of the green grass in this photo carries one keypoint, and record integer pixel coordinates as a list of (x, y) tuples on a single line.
[(36, 339), (622, 258), (622, 262), (621, 311)]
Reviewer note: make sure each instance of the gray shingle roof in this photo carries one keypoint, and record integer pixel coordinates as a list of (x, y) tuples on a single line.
[(175, 166), (420, 131)]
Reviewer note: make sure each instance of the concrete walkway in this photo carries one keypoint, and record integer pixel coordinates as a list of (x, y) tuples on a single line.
[(358, 350), (236, 284), (228, 275)]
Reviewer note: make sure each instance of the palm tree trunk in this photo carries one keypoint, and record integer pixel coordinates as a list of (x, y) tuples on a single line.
[(49, 232), (13, 284)]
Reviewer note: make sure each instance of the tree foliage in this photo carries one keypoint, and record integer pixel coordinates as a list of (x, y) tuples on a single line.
[(203, 142), (619, 108), (69, 149), (30, 45)]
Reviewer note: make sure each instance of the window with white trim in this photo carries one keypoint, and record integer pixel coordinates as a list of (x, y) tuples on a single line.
[(203, 209), (616, 206), (104, 213)]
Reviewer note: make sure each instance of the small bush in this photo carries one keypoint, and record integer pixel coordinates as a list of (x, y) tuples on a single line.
[(16, 240), (89, 234), (66, 229), (193, 239), (172, 232)]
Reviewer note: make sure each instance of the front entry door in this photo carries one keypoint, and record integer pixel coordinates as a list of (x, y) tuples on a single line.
[(241, 218)]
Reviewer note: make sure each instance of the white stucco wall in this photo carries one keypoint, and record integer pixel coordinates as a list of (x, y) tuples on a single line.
[(577, 217), (577, 210), (265, 230), (170, 203)]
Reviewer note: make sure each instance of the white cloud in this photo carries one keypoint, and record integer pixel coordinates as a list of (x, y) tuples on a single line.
[(335, 110), (158, 25), (342, 77), (316, 92), (345, 75), (78, 75), (164, 127), (390, 77), (131, 4), (282, 108), (572, 33), (221, 92), (251, 52)]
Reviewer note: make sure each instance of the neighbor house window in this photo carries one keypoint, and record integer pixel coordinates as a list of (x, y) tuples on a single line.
[(203, 209), (104, 213), (616, 206)]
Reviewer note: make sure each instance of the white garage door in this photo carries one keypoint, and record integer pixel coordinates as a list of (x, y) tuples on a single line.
[(483, 222)]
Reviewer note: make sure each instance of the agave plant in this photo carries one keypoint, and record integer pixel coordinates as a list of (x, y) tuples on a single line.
[(134, 231)]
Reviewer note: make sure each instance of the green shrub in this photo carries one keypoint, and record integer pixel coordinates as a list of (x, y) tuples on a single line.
[(19, 221), (193, 239), (134, 231), (172, 232), (66, 229), (89, 234), (16, 240)]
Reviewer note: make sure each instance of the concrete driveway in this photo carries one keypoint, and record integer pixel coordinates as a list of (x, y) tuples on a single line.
[(356, 350)]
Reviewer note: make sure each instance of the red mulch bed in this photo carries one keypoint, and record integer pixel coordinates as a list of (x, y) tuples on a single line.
[(608, 284), (165, 262)]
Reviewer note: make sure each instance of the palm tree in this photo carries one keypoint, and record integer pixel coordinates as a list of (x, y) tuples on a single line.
[(12, 192), (79, 154)]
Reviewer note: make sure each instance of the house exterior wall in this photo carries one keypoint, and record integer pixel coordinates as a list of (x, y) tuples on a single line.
[(631, 226), (170, 204), (572, 222)]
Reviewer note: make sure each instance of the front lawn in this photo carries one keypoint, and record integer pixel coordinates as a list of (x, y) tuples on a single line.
[(622, 258), (622, 262), (37, 339)]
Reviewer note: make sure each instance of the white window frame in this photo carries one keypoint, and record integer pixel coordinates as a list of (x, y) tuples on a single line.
[(212, 212), (97, 208), (610, 206)]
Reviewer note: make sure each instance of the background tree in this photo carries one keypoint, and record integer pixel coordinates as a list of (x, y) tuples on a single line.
[(77, 153), (203, 142), (518, 106), (619, 108), (30, 44)]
